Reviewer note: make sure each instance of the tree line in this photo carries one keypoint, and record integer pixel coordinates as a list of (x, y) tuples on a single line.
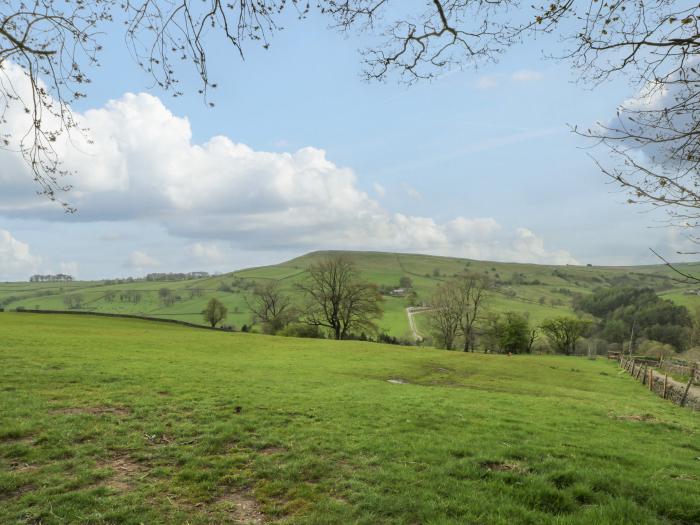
[(614, 318)]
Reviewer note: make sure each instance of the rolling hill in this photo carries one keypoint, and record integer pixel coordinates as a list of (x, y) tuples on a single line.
[(541, 290)]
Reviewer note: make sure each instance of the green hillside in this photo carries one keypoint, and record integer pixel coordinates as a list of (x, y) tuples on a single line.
[(541, 290), (121, 421)]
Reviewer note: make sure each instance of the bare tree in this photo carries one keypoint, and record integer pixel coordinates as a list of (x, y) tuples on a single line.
[(471, 292), (270, 306), (336, 298), (457, 306), (444, 317)]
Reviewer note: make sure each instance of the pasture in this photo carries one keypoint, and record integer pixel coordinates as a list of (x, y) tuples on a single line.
[(122, 421), (540, 290)]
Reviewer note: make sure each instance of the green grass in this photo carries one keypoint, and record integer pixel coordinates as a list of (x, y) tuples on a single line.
[(541, 301), (121, 421)]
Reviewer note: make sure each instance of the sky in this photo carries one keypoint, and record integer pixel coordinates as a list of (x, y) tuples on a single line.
[(299, 154)]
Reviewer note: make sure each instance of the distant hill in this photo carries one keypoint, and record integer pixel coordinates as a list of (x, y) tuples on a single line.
[(541, 290)]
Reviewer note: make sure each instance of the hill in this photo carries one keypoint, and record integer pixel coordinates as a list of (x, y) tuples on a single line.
[(541, 290), (122, 421)]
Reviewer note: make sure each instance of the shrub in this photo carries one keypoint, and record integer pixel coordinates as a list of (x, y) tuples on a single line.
[(301, 330)]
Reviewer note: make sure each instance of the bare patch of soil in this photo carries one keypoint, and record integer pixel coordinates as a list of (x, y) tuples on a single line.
[(507, 466), (243, 508), (94, 411), (24, 440), (269, 451), (125, 473), (634, 417), (158, 439), (22, 467), (684, 477)]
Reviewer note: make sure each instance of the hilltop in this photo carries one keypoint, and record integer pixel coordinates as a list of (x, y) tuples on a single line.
[(541, 290)]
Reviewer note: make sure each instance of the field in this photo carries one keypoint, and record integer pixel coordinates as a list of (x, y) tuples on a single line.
[(122, 421), (541, 291)]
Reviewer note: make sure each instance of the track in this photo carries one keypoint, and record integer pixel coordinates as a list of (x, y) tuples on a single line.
[(410, 312)]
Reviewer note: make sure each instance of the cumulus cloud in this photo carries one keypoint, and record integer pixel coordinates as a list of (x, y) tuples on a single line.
[(208, 253), (143, 166), (138, 260), (16, 261)]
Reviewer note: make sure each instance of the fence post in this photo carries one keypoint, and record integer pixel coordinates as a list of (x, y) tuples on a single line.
[(665, 385), (687, 389), (651, 379)]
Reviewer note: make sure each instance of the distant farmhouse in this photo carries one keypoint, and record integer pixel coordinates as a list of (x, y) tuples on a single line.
[(59, 277)]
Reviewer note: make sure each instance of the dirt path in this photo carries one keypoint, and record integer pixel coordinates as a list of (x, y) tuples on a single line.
[(410, 312)]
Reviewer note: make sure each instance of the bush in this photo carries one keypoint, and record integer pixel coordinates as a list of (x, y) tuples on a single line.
[(657, 349), (223, 287), (301, 330)]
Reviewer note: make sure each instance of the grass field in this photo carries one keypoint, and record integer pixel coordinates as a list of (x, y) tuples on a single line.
[(121, 421), (541, 291)]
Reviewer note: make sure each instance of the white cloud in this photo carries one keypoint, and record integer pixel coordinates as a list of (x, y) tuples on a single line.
[(112, 236), (207, 253), (138, 260), (487, 82), (412, 192), (379, 189), (16, 261), (526, 75), (143, 166)]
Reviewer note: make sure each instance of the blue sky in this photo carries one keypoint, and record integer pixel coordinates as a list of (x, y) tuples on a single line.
[(476, 163)]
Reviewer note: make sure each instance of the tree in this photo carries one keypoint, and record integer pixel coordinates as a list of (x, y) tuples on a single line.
[(215, 312), (271, 306), (444, 317), (515, 333), (166, 296), (509, 332), (471, 292), (73, 301), (563, 332), (457, 306), (405, 282), (336, 298), (626, 313)]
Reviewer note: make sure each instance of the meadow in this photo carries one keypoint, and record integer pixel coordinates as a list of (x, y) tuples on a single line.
[(540, 290), (122, 421)]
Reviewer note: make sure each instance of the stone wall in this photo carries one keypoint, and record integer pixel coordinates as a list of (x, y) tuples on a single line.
[(663, 385)]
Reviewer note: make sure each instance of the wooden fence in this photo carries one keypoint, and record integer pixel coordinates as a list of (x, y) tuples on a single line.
[(682, 394)]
